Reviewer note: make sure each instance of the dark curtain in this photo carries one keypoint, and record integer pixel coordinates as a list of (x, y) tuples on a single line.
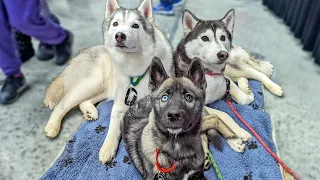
[(303, 18)]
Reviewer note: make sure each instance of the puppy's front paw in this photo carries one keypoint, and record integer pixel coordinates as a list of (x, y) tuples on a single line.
[(52, 129), (90, 112), (236, 144), (108, 151)]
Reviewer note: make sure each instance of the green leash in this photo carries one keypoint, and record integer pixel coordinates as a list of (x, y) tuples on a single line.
[(215, 166)]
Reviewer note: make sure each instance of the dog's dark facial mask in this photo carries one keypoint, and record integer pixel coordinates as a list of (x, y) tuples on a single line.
[(177, 102)]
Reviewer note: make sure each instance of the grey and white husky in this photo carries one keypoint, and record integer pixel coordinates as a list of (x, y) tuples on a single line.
[(170, 134), (211, 41), (131, 40)]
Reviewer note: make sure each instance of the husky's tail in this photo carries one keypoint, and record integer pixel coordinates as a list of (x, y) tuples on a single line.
[(263, 66)]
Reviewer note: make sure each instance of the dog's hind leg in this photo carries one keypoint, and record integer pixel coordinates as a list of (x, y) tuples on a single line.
[(88, 109), (70, 100), (54, 92), (243, 95)]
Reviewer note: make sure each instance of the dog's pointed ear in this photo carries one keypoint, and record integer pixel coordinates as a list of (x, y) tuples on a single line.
[(229, 20), (189, 21), (111, 6), (157, 74), (196, 73), (146, 10)]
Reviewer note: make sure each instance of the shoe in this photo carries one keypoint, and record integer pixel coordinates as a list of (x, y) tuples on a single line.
[(164, 10), (64, 50), (24, 45), (45, 52), (178, 3), (12, 88)]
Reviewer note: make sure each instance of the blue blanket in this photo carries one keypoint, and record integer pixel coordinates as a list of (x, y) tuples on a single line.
[(80, 157)]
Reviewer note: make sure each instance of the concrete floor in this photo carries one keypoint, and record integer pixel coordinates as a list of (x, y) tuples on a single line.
[(26, 153)]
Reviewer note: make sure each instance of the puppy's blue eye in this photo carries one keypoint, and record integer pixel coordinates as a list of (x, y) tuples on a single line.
[(164, 98)]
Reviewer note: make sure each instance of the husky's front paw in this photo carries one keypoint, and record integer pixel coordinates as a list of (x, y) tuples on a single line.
[(89, 111), (236, 144), (108, 151), (276, 90), (52, 129), (49, 103)]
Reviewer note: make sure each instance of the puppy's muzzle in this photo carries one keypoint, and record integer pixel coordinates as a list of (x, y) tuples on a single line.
[(174, 115)]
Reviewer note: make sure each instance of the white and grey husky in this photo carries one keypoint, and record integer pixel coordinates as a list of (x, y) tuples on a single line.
[(110, 71), (211, 41)]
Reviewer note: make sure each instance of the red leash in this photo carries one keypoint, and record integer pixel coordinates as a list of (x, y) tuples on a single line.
[(257, 135)]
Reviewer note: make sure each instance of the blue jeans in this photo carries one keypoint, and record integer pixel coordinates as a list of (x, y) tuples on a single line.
[(24, 15), (167, 2)]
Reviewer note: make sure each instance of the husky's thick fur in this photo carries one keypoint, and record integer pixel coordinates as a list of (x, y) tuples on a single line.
[(173, 125), (211, 41), (131, 40)]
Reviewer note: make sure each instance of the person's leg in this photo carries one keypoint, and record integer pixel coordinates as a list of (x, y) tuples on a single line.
[(10, 63), (26, 17), (9, 60), (46, 51)]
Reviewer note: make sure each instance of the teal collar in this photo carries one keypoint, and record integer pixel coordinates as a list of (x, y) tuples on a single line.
[(136, 82)]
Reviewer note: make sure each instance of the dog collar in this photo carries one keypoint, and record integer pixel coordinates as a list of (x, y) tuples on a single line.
[(131, 90), (161, 169), (211, 73), (136, 82)]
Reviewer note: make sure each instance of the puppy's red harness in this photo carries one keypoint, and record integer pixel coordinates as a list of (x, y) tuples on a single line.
[(228, 100)]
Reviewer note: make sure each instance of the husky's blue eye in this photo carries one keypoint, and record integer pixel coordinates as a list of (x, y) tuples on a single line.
[(205, 38), (136, 26), (164, 98), (223, 38)]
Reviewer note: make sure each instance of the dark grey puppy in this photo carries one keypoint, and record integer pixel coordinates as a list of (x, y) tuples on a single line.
[(171, 126)]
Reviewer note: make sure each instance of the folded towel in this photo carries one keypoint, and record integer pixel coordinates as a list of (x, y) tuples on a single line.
[(80, 157)]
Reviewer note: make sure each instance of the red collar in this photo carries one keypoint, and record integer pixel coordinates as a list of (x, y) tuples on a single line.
[(164, 170), (211, 73)]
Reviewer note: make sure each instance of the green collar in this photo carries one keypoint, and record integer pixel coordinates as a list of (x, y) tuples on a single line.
[(136, 82)]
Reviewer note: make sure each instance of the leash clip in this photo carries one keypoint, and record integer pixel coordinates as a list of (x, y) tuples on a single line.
[(228, 95)]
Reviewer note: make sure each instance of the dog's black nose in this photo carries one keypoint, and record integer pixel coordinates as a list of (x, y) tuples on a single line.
[(120, 36), (223, 55), (174, 115)]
